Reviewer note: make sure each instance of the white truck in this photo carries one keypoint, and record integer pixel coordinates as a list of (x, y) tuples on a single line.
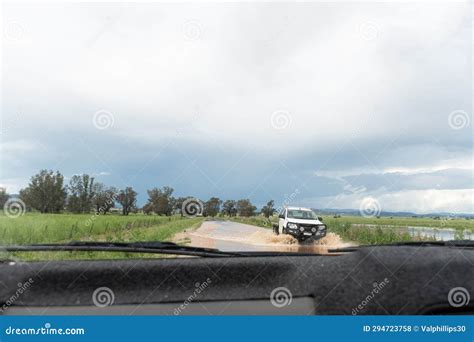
[(301, 223)]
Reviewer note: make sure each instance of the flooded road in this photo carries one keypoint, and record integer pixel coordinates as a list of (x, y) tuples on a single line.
[(429, 233), (232, 236)]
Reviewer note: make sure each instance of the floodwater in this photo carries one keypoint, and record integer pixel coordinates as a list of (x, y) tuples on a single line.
[(438, 234), (232, 236), (443, 234)]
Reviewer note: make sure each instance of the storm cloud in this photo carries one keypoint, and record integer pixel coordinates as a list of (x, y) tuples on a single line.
[(337, 102)]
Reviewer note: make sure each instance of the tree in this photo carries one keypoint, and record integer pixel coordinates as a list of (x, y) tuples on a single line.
[(3, 197), (268, 210), (46, 192), (128, 199), (148, 209), (81, 193), (104, 198), (160, 201), (212, 207), (245, 208), (229, 208), (178, 204)]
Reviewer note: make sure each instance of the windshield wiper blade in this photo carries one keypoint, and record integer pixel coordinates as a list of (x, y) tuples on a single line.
[(450, 243), (157, 247)]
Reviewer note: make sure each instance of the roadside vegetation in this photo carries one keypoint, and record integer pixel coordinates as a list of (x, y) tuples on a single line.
[(52, 228), (49, 211), (368, 230)]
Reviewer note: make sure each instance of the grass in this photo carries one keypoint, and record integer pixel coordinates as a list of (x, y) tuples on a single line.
[(54, 228), (458, 224), (366, 230)]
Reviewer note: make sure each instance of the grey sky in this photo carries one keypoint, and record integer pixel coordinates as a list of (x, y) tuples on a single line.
[(250, 100)]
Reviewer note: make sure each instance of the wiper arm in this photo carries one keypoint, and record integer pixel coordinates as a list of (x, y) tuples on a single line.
[(154, 247), (451, 243), (157, 247)]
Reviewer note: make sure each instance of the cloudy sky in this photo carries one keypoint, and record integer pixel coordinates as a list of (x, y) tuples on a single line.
[(316, 104)]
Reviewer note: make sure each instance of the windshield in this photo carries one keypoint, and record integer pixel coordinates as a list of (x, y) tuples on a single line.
[(201, 125), (302, 214)]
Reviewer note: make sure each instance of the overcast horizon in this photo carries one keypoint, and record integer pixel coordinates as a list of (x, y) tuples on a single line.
[(314, 104)]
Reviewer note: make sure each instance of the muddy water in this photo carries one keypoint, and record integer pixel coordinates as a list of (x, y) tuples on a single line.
[(232, 236)]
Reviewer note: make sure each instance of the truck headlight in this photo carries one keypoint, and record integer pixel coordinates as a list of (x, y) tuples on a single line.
[(314, 229), (301, 229), (292, 226)]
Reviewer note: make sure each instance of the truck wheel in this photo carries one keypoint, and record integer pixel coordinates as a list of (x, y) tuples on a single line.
[(275, 230), (302, 239)]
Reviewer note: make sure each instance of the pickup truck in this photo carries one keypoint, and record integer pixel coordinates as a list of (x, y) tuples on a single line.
[(301, 223)]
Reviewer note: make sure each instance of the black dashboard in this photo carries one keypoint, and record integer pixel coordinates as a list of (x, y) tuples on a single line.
[(383, 280)]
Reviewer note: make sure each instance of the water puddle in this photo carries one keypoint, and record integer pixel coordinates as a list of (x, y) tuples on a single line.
[(438, 234), (231, 236)]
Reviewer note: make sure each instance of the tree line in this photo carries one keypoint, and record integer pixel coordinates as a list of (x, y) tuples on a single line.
[(47, 193)]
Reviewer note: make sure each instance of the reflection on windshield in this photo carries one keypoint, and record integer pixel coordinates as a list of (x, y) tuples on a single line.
[(302, 215)]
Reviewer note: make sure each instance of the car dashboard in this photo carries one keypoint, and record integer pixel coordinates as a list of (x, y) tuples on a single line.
[(383, 280)]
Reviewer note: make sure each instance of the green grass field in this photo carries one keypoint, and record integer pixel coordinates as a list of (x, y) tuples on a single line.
[(374, 230), (53, 228)]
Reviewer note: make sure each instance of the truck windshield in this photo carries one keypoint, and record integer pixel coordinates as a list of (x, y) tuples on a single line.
[(302, 214)]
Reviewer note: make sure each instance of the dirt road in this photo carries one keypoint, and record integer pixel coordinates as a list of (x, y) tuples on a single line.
[(232, 236)]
